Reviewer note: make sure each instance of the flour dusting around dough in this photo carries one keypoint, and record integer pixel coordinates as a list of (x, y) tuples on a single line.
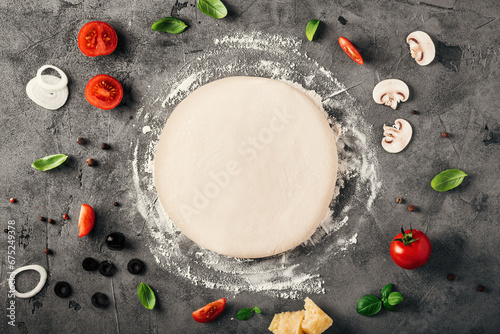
[(294, 273)]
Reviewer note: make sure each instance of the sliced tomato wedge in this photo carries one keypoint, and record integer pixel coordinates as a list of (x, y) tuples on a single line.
[(104, 92), (351, 50), (210, 311), (97, 38), (86, 221)]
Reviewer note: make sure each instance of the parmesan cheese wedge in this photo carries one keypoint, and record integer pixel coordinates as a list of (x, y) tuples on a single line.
[(287, 323), (316, 321), (311, 321)]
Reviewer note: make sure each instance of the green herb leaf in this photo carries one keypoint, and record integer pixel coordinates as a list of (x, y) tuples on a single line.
[(386, 291), (49, 162), (311, 28), (368, 305), (447, 180), (389, 307), (395, 298), (213, 8), (244, 314), (146, 296), (257, 310), (170, 25)]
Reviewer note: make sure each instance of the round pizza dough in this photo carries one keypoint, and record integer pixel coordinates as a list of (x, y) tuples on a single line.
[(246, 166)]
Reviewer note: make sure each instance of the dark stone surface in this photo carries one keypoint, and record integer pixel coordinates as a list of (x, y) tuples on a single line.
[(457, 93)]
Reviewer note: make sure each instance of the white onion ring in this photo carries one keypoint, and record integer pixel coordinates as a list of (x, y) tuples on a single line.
[(43, 278), (48, 99), (60, 84)]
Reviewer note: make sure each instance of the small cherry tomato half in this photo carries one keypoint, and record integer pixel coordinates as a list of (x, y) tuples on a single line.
[(410, 249), (210, 311), (86, 221), (351, 50), (97, 38), (104, 92)]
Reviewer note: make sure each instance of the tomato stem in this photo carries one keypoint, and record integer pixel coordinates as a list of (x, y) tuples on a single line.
[(407, 238)]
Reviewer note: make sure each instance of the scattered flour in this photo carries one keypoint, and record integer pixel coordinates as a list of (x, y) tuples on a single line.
[(295, 272)]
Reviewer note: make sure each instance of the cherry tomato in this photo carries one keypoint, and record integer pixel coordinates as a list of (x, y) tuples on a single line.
[(210, 311), (351, 50), (104, 92), (410, 249), (97, 38), (86, 221)]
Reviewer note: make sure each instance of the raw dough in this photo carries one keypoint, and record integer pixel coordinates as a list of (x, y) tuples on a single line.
[(246, 166)]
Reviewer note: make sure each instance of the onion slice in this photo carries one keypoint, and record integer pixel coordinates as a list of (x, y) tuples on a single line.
[(48, 91), (38, 287)]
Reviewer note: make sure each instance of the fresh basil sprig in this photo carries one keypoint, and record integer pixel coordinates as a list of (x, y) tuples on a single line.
[(49, 162), (311, 28), (447, 180), (246, 313), (213, 8), (146, 296), (171, 25), (370, 305)]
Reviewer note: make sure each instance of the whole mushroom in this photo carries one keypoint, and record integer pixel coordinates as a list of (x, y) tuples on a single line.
[(390, 92), (397, 137), (422, 48)]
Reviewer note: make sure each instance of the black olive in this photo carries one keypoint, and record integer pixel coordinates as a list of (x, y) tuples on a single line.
[(62, 289), (99, 300), (106, 268), (135, 266), (115, 241), (90, 264)]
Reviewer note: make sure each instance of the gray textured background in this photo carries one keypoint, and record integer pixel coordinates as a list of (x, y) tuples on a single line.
[(456, 93)]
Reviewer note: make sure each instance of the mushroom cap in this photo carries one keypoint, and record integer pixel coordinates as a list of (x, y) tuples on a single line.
[(388, 86), (426, 44), (397, 137)]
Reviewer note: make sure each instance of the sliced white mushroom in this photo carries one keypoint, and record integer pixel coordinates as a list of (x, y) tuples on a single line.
[(397, 137), (422, 48), (43, 278), (390, 92), (47, 90)]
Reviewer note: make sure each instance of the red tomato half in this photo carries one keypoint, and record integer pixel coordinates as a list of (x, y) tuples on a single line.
[(210, 311), (97, 38), (86, 221), (104, 92), (410, 254), (351, 50)]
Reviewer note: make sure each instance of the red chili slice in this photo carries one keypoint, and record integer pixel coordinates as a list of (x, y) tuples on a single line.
[(351, 50)]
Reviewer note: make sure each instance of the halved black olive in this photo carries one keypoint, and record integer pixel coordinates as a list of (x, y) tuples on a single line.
[(106, 268), (90, 264), (135, 266), (99, 300), (115, 241), (62, 289)]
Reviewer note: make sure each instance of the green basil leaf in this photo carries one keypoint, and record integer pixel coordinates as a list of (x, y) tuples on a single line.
[(213, 8), (386, 291), (244, 314), (368, 305), (395, 298), (170, 25), (146, 296), (257, 310), (447, 180), (311, 28), (49, 162), (389, 307)]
